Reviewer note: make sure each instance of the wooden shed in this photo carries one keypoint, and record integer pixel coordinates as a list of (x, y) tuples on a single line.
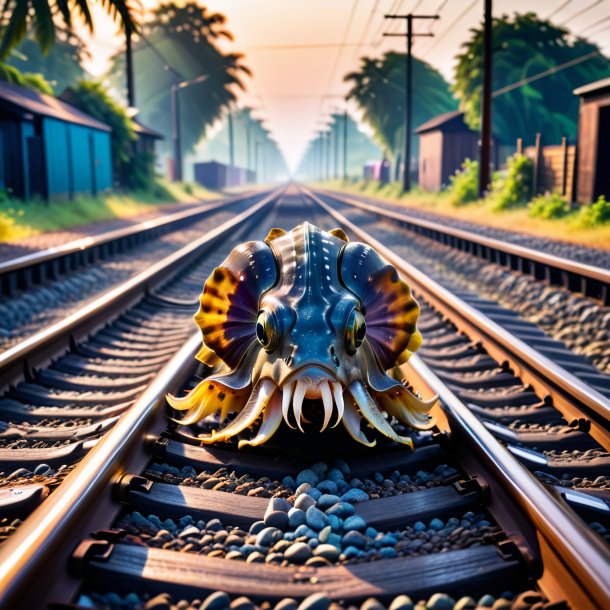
[(50, 149), (445, 141), (593, 165)]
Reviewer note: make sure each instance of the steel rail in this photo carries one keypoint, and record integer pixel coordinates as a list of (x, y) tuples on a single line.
[(35, 351), (570, 395), (584, 554), (575, 276), (20, 272), (31, 549)]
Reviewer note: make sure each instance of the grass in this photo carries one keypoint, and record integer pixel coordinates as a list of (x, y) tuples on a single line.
[(483, 211), (20, 219)]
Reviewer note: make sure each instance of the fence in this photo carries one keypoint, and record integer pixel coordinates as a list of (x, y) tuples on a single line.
[(553, 167)]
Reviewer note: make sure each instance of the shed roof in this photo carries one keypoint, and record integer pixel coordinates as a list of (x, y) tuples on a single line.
[(146, 131), (441, 120), (41, 104), (596, 87)]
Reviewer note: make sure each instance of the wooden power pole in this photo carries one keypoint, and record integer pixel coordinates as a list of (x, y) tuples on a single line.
[(485, 152)]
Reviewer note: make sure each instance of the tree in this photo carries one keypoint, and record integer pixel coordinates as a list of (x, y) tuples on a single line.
[(524, 45), (378, 87), (182, 37), (61, 65), (18, 17), (37, 82)]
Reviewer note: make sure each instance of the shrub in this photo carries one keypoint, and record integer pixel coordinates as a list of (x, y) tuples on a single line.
[(187, 188), (595, 214), (465, 183), (550, 205), (514, 189)]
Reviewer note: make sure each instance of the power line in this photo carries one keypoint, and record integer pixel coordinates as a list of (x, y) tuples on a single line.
[(581, 12), (544, 73), (600, 31), (558, 10), (592, 25), (366, 29), (447, 30)]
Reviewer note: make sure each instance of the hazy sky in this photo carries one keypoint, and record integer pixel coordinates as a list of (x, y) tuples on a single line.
[(297, 83)]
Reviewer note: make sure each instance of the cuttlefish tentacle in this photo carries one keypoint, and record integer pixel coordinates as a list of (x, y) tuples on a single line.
[(247, 416), (371, 413), (272, 418), (351, 421)]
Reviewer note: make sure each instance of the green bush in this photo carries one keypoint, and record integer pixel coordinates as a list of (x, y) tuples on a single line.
[(550, 205), (465, 183), (187, 188), (594, 214), (514, 189)]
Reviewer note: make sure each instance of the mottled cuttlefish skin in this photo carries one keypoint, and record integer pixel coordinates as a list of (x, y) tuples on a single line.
[(305, 318)]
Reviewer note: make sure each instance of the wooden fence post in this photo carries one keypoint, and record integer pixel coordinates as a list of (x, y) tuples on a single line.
[(537, 153), (564, 171), (519, 146)]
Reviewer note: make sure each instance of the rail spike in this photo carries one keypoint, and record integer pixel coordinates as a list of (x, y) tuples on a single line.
[(301, 324)]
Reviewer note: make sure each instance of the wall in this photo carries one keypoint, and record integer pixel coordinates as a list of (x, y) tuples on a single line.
[(430, 162)]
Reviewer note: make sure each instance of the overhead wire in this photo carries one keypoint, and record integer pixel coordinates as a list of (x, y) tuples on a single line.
[(437, 39), (581, 12), (558, 10)]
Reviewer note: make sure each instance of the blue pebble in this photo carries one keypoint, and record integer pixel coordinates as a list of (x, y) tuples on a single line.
[(313, 542), (354, 538), (257, 526), (388, 552), (356, 483), (315, 518), (335, 475), (436, 524), (303, 530), (355, 522), (327, 500), (419, 526), (342, 466), (296, 517), (388, 540), (290, 536), (307, 476), (371, 532), (319, 468), (378, 478), (335, 540), (327, 487), (342, 487), (315, 493), (483, 523), (350, 552), (289, 482), (341, 509), (335, 523), (246, 549), (355, 495)]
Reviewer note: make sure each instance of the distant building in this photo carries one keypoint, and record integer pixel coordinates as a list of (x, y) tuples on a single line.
[(50, 149), (593, 146), (376, 170), (217, 176), (146, 137), (445, 142)]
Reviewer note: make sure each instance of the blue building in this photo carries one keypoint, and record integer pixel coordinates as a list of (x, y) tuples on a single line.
[(50, 149)]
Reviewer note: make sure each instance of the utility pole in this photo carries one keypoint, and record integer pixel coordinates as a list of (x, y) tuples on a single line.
[(176, 133), (345, 144), (336, 139), (231, 146), (406, 175), (485, 152), (328, 134), (131, 94), (248, 143)]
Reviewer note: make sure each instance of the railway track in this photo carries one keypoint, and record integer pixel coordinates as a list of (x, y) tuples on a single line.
[(495, 504), (41, 288)]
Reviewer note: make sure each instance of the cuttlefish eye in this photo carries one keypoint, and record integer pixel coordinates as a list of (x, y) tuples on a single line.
[(355, 331), (267, 331)]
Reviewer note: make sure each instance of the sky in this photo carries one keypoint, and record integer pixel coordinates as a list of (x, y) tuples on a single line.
[(299, 50)]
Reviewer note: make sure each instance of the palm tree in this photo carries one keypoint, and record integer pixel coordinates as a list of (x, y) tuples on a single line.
[(43, 16), (378, 88), (183, 37)]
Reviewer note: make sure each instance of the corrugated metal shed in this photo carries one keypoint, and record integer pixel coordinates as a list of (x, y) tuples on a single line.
[(49, 148)]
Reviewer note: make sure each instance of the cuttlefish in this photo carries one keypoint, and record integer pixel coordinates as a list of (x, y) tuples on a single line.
[(302, 325)]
